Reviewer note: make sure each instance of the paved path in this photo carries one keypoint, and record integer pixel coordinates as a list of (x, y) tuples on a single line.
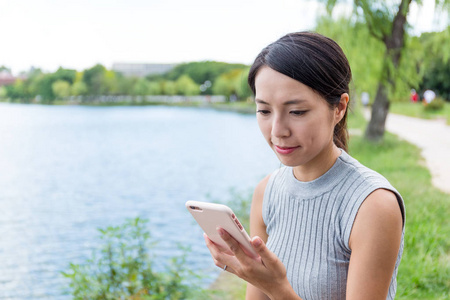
[(433, 137)]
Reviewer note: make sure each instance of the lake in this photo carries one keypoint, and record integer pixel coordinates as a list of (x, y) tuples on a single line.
[(66, 171)]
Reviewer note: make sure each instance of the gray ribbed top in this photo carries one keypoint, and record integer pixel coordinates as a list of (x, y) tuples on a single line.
[(309, 225)]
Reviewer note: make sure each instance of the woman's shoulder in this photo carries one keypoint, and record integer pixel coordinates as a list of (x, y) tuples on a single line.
[(269, 179), (357, 169), (261, 186)]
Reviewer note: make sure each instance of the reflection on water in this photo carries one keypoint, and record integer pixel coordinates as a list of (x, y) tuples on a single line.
[(66, 171)]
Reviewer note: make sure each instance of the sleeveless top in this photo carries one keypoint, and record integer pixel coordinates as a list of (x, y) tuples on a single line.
[(309, 225)]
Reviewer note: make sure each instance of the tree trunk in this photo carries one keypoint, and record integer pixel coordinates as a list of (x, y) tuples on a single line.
[(380, 109), (394, 44)]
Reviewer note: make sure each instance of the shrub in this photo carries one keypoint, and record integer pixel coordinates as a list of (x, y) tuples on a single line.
[(123, 269), (437, 104)]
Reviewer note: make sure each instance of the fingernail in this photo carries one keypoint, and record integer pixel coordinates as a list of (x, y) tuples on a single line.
[(257, 242), (220, 231)]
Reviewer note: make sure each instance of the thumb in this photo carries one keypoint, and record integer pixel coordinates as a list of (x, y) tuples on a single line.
[(267, 256)]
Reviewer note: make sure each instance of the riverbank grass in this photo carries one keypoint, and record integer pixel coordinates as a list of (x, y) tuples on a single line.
[(425, 267), (417, 110)]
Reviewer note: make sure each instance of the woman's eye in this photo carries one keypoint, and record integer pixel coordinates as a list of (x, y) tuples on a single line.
[(298, 112), (263, 112)]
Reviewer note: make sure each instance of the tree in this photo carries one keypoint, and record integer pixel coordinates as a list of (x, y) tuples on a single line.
[(78, 88), (3, 92), (169, 88), (233, 82), (386, 22), (61, 88), (436, 65), (141, 87), (94, 79), (66, 75), (155, 88), (202, 71), (186, 86)]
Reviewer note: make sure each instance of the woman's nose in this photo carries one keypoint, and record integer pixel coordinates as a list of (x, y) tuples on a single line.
[(280, 128)]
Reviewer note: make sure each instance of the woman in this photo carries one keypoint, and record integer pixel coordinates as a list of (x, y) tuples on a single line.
[(325, 226)]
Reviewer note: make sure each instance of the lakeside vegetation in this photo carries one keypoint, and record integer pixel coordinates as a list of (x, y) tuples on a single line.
[(425, 65), (423, 272), (425, 267), (418, 110)]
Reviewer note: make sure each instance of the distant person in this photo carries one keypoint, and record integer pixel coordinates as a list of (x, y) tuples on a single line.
[(414, 97), (365, 98), (324, 225), (428, 96)]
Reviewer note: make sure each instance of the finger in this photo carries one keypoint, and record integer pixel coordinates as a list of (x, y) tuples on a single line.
[(221, 258), (234, 245), (226, 268), (269, 259), (217, 247)]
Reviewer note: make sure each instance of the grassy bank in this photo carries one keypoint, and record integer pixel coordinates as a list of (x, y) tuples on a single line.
[(425, 269), (417, 110)]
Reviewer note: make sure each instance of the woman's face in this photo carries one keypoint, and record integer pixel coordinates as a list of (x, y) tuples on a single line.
[(297, 122)]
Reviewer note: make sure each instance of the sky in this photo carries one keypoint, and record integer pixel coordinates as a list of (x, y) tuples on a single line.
[(78, 34)]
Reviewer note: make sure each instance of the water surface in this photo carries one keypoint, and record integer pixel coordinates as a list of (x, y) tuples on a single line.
[(67, 170)]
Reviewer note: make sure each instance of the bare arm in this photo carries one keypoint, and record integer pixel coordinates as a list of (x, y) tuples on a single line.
[(375, 242), (257, 228)]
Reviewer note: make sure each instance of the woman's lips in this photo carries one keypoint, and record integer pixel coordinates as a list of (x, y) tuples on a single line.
[(285, 150)]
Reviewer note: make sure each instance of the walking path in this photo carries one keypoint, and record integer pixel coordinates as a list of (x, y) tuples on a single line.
[(433, 137)]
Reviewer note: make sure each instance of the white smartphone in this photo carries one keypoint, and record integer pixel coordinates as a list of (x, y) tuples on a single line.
[(211, 215)]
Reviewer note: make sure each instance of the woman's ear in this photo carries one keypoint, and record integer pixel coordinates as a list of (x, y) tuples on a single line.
[(341, 108)]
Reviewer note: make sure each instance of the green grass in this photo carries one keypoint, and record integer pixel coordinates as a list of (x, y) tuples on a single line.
[(417, 110), (424, 272)]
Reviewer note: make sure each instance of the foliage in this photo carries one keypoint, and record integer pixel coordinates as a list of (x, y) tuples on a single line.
[(3, 92), (169, 87), (387, 22), (202, 71), (124, 269), (61, 88), (435, 105), (186, 86), (66, 75), (365, 65), (233, 82), (17, 90), (436, 64), (79, 88), (425, 268), (417, 110), (94, 79), (141, 87)]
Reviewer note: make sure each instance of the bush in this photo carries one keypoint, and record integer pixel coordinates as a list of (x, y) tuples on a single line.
[(123, 269), (435, 105)]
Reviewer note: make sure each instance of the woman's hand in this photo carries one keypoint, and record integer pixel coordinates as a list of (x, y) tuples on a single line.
[(266, 272)]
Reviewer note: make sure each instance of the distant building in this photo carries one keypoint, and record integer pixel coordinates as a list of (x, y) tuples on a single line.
[(142, 70), (6, 78)]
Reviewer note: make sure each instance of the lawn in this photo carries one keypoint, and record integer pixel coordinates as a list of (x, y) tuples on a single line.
[(424, 272), (417, 110)]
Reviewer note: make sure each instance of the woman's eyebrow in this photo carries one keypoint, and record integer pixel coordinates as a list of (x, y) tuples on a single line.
[(295, 101), (261, 101), (290, 102)]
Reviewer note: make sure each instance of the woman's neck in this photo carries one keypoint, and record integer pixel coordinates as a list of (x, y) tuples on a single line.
[(319, 165)]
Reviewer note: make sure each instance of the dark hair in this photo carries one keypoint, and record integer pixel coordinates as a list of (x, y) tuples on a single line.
[(315, 61)]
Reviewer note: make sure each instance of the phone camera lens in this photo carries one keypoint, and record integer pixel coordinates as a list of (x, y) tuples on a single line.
[(192, 207)]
